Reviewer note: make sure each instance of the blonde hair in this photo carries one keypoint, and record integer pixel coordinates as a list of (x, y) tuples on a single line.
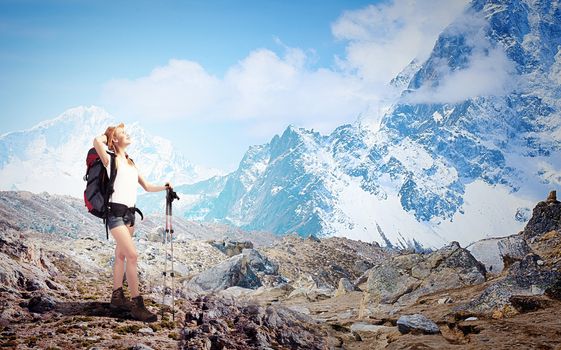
[(110, 133)]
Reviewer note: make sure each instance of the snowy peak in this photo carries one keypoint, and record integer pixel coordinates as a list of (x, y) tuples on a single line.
[(293, 138), (77, 115), (402, 80), (56, 149), (472, 142)]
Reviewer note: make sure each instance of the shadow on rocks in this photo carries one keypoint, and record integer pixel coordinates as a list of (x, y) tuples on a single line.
[(91, 308)]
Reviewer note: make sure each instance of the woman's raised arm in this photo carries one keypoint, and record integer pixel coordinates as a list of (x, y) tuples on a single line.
[(99, 144)]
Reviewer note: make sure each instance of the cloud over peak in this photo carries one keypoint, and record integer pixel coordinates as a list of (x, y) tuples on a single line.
[(268, 90)]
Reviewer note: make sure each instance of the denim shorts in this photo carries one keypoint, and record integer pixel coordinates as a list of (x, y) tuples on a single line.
[(114, 221)]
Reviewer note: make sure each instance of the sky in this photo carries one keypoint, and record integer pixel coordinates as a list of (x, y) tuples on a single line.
[(214, 77)]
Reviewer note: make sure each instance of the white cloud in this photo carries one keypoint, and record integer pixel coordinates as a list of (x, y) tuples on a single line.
[(266, 91), (488, 72), (173, 91), (384, 38), (261, 90)]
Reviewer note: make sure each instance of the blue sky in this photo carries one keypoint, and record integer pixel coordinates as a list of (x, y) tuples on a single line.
[(221, 75)]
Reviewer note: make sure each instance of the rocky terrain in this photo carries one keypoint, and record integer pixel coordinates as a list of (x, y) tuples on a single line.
[(261, 292)]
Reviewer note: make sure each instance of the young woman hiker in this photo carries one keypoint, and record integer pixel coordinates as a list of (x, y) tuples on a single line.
[(121, 218)]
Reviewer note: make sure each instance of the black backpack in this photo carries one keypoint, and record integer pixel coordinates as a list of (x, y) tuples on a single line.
[(98, 186)]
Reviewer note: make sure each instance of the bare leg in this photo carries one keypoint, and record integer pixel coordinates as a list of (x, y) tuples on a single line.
[(131, 231), (118, 268), (125, 251)]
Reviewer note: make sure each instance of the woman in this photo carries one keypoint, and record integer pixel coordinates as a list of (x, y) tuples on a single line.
[(121, 218)]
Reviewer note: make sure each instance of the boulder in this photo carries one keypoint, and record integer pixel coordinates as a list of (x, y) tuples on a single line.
[(259, 263), (243, 270), (487, 252), (373, 333), (386, 284), (513, 248), (361, 266), (546, 217), (403, 279), (524, 278), (345, 286), (216, 323), (42, 303), (533, 275), (416, 323), (229, 273)]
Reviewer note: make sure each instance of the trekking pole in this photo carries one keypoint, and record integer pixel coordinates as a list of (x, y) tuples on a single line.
[(171, 195), (164, 273)]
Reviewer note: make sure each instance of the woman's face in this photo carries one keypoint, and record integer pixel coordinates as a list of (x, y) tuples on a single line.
[(121, 138)]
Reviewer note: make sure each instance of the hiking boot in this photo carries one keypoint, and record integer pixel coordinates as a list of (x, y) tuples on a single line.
[(119, 301), (140, 312)]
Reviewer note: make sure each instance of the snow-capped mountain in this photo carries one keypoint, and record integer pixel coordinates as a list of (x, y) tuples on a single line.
[(51, 156), (472, 143)]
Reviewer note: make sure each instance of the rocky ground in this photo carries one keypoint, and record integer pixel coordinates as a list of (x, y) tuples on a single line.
[(290, 293)]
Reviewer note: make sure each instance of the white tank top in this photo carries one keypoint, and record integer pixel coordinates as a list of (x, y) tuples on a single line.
[(126, 183)]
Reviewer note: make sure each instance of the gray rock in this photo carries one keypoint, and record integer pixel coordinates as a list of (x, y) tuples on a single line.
[(362, 278), (487, 252), (229, 273), (146, 330), (316, 294), (243, 270), (32, 285), (235, 292), (361, 266), (208, 323), (513, 248), (524, 277), (53, 285), (364, 327), (141, 347), (299, 308), (313, 238), (42, 303), (405, 278), (373, 334), (231, 248), (370, 332), (386, 284), (94, 338), (345, 315), (345, 286), (546, 217), (416, 323), (259, 263)]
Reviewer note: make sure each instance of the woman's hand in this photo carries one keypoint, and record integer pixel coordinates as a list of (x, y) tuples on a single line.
[(168, 185)]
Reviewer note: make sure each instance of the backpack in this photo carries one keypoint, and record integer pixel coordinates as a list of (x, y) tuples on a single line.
[(98, 186)]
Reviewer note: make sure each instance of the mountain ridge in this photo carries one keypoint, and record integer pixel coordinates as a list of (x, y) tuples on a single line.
[(430, 170)]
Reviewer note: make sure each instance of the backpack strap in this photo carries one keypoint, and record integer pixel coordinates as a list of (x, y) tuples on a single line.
[(110, 190), (139, 212)]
